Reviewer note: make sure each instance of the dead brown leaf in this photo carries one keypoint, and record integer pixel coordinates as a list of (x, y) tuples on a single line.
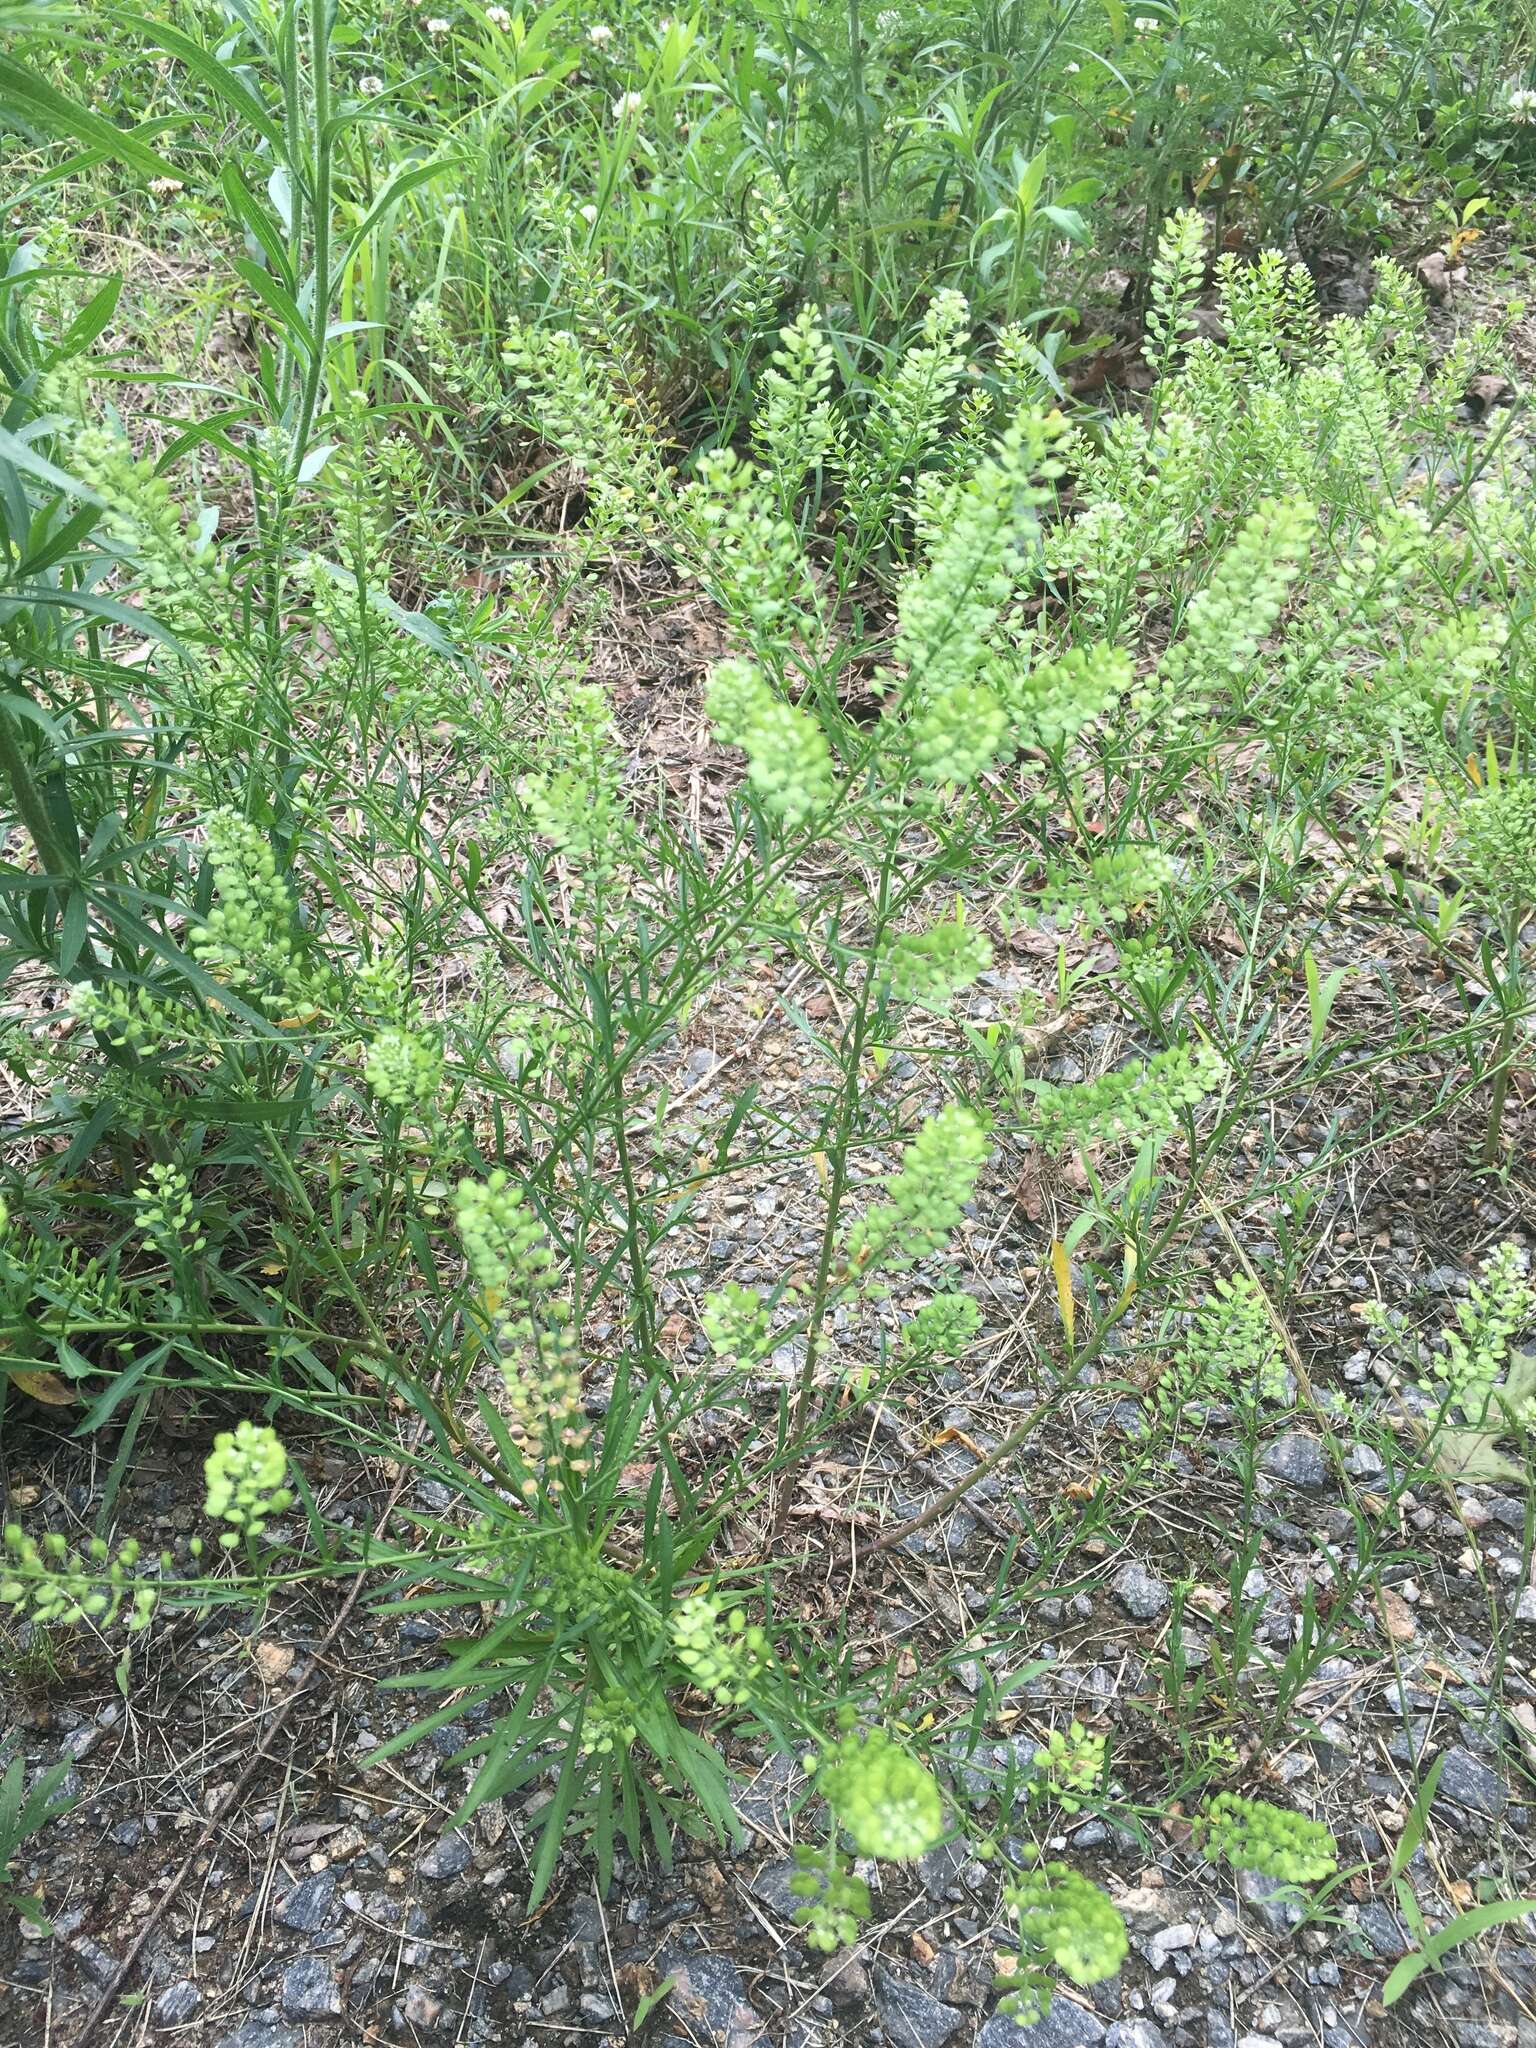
[(273, 1661), (1397, 1616), (1438, 275), (1485, 392)]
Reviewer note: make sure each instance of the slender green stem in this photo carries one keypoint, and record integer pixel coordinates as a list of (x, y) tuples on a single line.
[(644, 1308), (320, 310), (861, 130), (1509, 995), (837, 1157)]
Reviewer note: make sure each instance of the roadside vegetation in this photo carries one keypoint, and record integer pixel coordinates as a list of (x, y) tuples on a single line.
[(767, 795)]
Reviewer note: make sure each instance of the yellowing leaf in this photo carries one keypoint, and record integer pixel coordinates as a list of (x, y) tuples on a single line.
[(45, 1386), (1061, 1266)]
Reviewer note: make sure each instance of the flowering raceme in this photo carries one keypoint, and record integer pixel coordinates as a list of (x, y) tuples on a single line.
[(930, 968), (788, 764), (927, 1196)]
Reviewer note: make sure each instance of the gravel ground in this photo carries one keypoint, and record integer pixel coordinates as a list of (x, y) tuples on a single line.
[(329, 1905)]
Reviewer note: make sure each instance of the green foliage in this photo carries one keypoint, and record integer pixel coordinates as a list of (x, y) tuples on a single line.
[(24, 1811), (358, 901)]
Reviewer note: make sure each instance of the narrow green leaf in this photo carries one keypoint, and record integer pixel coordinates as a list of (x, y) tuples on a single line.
[(32, 101), (1465, 1927)]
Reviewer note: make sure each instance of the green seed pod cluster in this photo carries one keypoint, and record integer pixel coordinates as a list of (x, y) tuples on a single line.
[(722, 1653), (930, 968), (927, 1197), (1112, 888), (1496, 839), (56, 1584), (583, 1590), (1052, 703), (833, 1901), (244, 1474), (958, 734), (163, 1208), (1250, 1834), (1132, 1103), (735, 1320), (886, 1798), (128, 1016), (1071, 1763), (788, 765), (941, 1328), (1065, 1919), (504, 1241), (405, 1068), (607, 1726), (249, 937)]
